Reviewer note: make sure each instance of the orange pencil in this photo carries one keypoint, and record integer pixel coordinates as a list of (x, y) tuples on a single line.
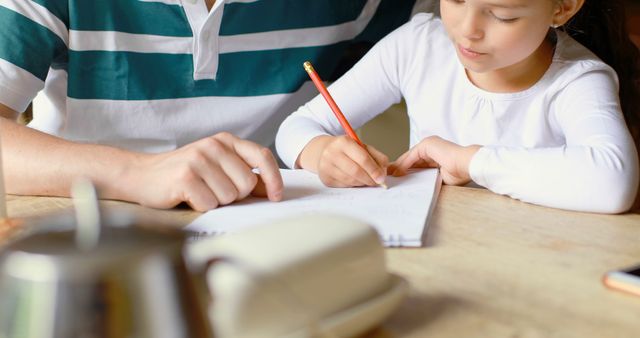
[(334, 107)]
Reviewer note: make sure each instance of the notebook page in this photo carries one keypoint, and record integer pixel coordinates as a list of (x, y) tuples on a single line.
[(399, 214)]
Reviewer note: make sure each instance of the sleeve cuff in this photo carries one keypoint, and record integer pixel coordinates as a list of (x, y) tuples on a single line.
[(289, 151), (14, 100), (478, 165)]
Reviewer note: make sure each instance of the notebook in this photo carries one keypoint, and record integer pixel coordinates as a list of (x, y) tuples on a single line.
[(399, 214)]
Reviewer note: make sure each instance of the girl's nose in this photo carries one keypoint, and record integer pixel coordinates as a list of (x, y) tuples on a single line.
[(471, 25)]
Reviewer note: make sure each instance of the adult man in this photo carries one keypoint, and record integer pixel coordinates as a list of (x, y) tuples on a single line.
[(165, 101)]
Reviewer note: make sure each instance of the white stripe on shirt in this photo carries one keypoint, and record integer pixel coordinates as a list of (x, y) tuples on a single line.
[(172, 123), (166, 2), (21, 82), (118, 41)]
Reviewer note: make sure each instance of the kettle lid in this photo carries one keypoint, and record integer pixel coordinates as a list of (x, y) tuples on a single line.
[(55, 255)]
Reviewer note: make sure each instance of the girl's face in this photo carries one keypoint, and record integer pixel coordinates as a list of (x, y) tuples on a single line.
[(495, 35)]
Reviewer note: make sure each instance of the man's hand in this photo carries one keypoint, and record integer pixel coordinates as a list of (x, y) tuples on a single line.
[(208, 173), (435, 152), (213, 171)]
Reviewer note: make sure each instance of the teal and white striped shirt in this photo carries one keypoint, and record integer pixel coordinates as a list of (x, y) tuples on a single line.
[(153, 75)]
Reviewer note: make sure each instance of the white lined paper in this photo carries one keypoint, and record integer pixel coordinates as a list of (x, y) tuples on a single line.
[(399, 214)]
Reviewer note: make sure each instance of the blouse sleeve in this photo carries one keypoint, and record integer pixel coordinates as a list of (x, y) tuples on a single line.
[(595, 171), (370, 87)]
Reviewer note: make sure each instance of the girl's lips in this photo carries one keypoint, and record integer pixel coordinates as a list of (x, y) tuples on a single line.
[(469, 53)]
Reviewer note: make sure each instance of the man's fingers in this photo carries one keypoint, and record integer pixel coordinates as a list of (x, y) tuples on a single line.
[(259, 190), (224, 188), (199, 197), (238, 173), (227, 176), (261, 158)]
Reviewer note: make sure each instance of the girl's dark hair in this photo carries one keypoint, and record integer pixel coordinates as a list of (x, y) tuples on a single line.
[(601, 26)]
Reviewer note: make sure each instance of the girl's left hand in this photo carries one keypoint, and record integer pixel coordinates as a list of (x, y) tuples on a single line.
[(435, 152)]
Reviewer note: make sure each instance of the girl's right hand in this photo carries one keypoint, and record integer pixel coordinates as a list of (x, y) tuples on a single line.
[(340, 161)]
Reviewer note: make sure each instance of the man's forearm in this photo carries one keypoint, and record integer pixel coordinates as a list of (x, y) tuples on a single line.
[(36, 163)]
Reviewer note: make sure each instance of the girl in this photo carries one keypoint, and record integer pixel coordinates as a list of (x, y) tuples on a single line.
[(524, 110)]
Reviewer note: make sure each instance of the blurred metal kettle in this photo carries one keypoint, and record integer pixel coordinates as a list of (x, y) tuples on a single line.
[(108, 281)]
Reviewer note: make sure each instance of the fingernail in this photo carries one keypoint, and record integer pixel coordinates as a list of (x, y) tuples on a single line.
[(277, 195)]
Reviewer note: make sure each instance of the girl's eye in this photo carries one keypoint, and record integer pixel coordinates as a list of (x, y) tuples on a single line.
[(456, 1), (505, 20)]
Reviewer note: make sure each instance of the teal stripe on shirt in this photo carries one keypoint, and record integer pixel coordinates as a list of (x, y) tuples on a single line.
[(271, 15), (139, 76), (59, 8), (29, 45), (238, 18), (129, 16), (390, 15)]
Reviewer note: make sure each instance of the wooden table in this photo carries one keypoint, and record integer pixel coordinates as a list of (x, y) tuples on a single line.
[(492, 267)]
